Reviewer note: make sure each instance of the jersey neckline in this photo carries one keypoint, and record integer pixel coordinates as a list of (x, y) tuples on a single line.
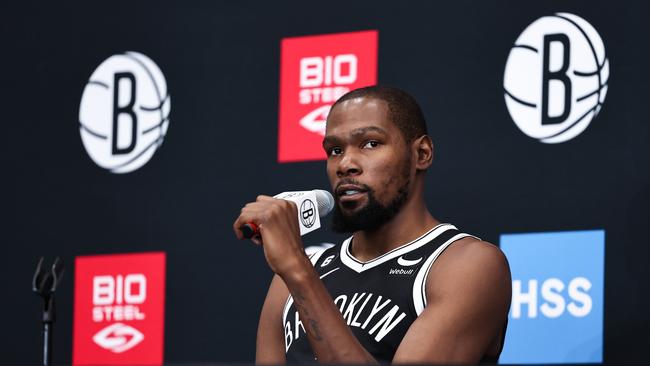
[(359, 266)]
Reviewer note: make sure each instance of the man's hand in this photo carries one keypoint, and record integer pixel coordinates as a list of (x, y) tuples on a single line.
[(277, 221), (329, 335)]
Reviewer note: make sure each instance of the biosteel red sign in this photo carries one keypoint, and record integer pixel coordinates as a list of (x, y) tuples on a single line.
[(315, 72), (119, 304)]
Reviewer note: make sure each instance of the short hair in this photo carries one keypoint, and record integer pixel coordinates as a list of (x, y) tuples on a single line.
[(404, 111)]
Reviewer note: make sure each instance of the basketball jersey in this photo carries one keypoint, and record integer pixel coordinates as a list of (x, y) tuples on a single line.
[(379, 299)]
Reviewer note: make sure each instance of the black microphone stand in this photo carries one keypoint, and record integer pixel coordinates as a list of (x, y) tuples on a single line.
[(44, 284)]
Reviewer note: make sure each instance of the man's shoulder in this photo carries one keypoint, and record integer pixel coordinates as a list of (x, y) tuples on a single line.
[(474, 253), (468, 262), (473, 250)]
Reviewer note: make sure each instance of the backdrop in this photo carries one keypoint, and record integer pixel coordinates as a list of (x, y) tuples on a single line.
[(221, 66)]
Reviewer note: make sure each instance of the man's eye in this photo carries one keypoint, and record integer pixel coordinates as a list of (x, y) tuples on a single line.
[(335, 151), (371, 143)]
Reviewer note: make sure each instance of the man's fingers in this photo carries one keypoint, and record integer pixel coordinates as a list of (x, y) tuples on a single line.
[(257, 239), (235, 228), (263, 209), (240, 222), (253, 212), (245, 217)]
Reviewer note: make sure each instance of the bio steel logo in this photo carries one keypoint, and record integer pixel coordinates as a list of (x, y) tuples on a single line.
[(556, 314), (118, 337), (315, 72), (556, 77), (124, 112), (119, 306)]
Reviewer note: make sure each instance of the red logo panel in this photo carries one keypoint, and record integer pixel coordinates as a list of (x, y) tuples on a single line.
[(119, 307), (315, 72)]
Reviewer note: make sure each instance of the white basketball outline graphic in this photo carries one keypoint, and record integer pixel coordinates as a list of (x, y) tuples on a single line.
[(151, 105), (522, 80)]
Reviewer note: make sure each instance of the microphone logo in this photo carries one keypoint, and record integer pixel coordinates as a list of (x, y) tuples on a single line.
[(307, 213)]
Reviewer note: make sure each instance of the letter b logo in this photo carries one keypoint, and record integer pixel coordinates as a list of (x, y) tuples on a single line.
[(555, 80), (559, 76), (307, 213), (124, 112)]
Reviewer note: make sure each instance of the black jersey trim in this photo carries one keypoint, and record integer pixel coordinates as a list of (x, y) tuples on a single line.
[(359, 266)]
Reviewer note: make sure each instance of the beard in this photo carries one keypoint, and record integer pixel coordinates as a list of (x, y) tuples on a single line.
[(370, 217), (374, 214)]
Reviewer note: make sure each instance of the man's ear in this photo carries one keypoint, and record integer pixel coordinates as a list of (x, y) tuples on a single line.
[(423, 148)]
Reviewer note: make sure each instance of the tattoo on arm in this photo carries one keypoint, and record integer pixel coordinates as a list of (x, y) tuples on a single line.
[(299, 299), (316, 328)]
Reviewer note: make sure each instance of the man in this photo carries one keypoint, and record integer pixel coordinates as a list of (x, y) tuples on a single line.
[(404, 288)]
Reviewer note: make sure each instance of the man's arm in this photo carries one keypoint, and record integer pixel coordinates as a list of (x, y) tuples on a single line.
[(330, 337), (468, 297), (270, 335), (328, 334)]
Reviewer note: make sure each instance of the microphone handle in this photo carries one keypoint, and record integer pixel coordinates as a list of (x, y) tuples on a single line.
[(249, 230)]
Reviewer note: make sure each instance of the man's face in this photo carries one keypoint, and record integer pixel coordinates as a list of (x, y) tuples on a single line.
[(368, 164)]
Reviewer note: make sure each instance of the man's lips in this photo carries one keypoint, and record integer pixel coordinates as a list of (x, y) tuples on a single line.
[(351, 197), (350, 192)]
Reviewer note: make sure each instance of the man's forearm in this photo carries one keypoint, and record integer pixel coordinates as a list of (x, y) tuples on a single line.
[(331, 339)]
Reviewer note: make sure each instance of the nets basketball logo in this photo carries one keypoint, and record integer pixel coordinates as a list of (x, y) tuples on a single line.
[(315, 72), (555, 79), (124, 112), (307, 213)]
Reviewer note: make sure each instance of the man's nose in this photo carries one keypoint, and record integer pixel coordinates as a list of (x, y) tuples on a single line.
[(348, 165)]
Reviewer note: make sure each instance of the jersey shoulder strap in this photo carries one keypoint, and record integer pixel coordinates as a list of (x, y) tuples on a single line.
[(438, 245)]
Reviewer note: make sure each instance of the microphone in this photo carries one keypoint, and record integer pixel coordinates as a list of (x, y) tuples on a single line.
[(312, 205)]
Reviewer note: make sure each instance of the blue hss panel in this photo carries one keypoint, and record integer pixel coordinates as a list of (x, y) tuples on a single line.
[(556, 315)]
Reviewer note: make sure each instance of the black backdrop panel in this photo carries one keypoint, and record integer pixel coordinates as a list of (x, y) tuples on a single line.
[(221, 63)]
